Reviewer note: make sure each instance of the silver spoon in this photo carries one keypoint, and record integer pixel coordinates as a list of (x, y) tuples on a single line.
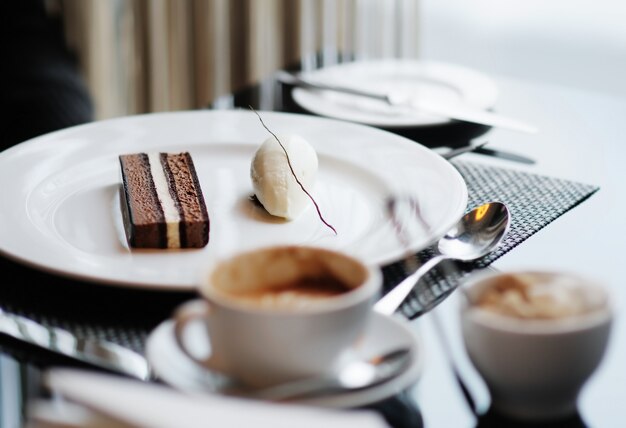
[(355, 375), (475, 235)]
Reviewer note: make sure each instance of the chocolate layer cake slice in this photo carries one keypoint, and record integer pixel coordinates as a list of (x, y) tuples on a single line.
[(162, 203)]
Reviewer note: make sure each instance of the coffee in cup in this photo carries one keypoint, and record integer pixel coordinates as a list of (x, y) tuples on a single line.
[(539, 297), (278, 313), (535, 337)]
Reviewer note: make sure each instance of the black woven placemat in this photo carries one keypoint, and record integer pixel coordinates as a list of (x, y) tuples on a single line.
[(534, 201), (127, 316)]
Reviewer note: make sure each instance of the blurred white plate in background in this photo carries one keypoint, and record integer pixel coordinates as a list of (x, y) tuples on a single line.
[(426, 80)]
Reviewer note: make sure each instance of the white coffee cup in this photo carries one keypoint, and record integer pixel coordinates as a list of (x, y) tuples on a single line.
[(535, 362), (262, 336)]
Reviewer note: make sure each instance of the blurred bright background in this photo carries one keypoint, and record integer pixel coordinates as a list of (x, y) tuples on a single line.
[(141, 56), (159, 55), (576, 43)]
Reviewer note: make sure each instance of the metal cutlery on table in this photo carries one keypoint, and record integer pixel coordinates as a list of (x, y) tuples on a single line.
[(461, 150), (502, 154), (97, 353), (481, 149), (452, 111)]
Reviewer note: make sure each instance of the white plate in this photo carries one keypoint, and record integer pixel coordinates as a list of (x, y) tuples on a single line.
[(423, 79), (60, 202), (175, 368)]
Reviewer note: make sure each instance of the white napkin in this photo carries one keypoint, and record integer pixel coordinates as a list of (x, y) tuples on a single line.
[(142, 404)]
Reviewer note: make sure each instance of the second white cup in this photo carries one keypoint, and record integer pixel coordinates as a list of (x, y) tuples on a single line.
[(535, 337)]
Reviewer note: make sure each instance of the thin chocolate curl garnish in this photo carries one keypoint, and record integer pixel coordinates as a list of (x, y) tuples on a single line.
[(319, 213)]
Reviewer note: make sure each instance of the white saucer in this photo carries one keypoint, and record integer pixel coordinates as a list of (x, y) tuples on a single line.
[(424, 79), (173, 367)]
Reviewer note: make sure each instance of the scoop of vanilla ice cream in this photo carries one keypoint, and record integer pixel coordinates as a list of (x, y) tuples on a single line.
[(272, 179)]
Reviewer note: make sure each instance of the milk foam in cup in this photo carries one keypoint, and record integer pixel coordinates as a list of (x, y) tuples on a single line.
[(535, 337), (279, 313)]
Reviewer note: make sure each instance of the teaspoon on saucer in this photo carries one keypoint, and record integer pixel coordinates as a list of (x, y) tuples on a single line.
[(356, 374)]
